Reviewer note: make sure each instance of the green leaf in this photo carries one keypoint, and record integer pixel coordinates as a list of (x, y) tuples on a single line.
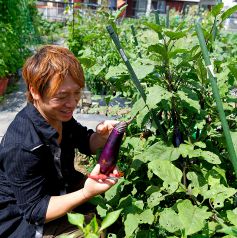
[(234, 139), (159, 49), (154, 199), (230, 230), (192, 217), (110, 219), (200, 144), (206, 155), (137, 106), (185, 149), (154, 27), (146, 217), (198, 183), (134, 208), (98, 200), (143, 117), (191, 103), (176, 52), (216, 10), (164, 152), (155, 94), (232, 216), (119, 11), (88, 62), (176, 35), (76, 219), (165, 170), (131, 224), (228, 12), (218, 194), (112, 195), (210, 157), (115, 71), (91, 37), (91, 235), (142, 70), (101, 210), (170, 220), (92, 227), (168, 153)]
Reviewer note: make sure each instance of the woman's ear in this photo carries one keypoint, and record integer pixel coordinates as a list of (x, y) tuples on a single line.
[(34, 93)]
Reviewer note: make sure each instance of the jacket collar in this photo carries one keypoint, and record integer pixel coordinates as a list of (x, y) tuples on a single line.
[(40, 124)]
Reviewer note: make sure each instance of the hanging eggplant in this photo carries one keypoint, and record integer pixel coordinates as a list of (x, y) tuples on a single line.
[(177, 137)]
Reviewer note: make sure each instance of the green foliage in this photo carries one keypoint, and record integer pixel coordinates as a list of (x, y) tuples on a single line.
[(92, 229), (185, 186), (17, 31), (90, 42), (49, 31)]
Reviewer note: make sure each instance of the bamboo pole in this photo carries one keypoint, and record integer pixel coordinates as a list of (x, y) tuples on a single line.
[(157, 18), (215, 90), (167, 16), (134, 78), (135, 40)]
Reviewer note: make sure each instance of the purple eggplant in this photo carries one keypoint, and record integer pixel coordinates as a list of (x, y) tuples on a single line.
[(109, 155), (177, 137)]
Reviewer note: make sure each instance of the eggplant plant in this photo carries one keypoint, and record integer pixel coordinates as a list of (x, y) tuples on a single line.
[(184, 186)]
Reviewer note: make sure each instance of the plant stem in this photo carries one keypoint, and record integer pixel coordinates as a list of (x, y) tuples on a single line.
[(215, 90)]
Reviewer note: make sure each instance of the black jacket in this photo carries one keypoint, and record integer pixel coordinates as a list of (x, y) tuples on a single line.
[(33, 167)]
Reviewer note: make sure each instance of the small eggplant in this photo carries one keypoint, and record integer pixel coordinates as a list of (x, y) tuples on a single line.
[(177, 137), (109, 155)]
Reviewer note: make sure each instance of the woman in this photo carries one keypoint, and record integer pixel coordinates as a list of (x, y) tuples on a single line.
[(38, 182)]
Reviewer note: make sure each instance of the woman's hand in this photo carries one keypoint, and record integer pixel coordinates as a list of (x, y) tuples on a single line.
[(104, 128), (94, 187), (99, 138)]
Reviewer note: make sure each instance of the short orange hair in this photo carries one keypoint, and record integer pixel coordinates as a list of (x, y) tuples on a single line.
[(51, 62)]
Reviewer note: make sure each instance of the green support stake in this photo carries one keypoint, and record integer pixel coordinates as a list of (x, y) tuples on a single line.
[(167, 16), (135, 39), (157, 18), (215, 90), (134, 78)]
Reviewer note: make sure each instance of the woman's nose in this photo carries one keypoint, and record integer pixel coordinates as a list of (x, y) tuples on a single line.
[(72, 101)]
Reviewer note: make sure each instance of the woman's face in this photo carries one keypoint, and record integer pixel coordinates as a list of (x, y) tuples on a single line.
[(60, 106)]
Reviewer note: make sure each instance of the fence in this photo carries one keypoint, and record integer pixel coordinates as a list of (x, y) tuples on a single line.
[(62, 11)]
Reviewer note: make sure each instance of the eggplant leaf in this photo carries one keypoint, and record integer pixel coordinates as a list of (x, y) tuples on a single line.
[(110, 219), (216, 10), (228, 13), (154, 27), (76, 219)]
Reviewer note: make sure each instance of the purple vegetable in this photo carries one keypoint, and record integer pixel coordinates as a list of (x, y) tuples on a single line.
[(109, 155)]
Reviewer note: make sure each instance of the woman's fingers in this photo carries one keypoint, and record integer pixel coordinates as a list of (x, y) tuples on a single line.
[(106, 126), (96, 170)]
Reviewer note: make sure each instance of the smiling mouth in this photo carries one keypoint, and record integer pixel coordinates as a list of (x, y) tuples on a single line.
[(67, 112)]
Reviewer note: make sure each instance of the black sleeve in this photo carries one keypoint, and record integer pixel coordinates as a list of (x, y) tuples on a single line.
[(79, 136), (21, 169)]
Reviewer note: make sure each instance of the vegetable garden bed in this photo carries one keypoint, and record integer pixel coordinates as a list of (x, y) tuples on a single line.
[(180, 179)]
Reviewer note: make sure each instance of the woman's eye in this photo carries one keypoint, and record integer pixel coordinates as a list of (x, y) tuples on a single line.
[(60, 97)]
